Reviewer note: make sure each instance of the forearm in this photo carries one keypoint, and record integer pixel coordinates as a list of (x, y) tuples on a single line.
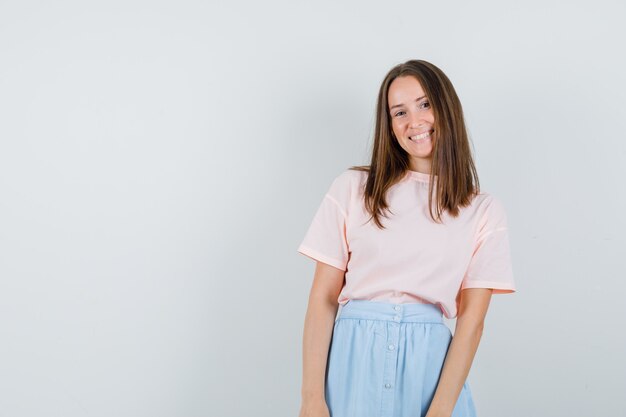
[(456, 368), (318, 328)]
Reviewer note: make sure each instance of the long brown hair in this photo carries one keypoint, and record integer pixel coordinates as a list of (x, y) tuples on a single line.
[(457, 180)]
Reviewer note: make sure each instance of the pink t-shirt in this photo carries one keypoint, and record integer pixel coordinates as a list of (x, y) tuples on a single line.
[(414, 259)]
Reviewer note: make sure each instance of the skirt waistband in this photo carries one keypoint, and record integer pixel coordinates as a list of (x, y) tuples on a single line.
[(399, 313)]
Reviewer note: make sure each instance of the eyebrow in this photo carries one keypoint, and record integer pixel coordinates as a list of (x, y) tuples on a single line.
[(402, 104)]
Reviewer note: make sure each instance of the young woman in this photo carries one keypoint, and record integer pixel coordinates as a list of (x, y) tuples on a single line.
[(399, 244)]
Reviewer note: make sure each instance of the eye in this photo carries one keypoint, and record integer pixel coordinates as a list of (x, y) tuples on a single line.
[(425, 103), (398, 113)]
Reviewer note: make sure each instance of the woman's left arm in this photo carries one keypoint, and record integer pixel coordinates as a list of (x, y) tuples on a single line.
[(470, 319)]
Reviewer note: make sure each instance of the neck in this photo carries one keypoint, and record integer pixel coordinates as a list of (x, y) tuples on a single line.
[(420, 165)]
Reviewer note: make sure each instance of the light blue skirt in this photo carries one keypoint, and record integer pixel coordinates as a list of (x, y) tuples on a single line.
[(385, 361)]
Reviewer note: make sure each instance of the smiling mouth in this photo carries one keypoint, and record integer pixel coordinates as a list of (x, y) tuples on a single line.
[(422, 137)]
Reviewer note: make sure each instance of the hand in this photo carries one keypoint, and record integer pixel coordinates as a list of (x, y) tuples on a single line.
[(314, 408)]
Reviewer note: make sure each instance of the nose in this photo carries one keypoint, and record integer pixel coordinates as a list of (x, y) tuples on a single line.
[(416, 120)]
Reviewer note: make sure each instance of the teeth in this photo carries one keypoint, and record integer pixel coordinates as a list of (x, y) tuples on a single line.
[(422, 136)]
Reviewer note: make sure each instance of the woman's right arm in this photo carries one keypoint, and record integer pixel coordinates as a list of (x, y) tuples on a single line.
[(318, 328)]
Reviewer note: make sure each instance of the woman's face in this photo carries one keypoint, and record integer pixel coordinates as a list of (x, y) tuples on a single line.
[(412, 121)]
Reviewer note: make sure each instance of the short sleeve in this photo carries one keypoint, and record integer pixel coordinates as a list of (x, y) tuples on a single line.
[(325, 240), (490, 265)]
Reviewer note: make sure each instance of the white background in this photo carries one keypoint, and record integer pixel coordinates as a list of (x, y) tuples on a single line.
[(161, 161)]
